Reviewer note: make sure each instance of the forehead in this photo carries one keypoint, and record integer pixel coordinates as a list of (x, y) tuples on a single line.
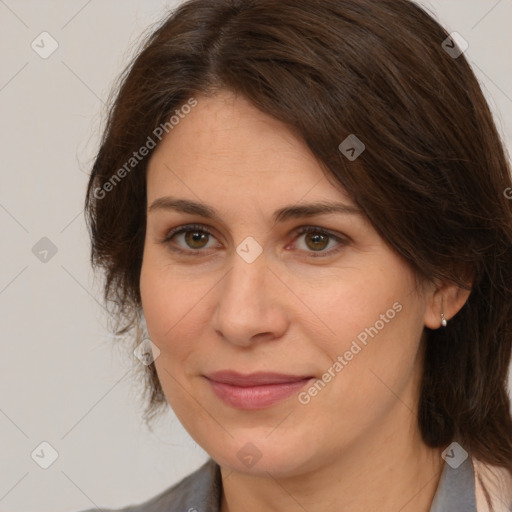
[(228, 148)]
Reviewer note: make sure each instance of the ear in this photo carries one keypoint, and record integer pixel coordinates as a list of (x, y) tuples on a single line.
[(444, 297)]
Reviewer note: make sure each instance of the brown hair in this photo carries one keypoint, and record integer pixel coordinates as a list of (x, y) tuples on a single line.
[(431, 179)]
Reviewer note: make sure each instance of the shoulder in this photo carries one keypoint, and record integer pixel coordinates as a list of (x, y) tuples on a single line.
[(493, 487), (198, 492)]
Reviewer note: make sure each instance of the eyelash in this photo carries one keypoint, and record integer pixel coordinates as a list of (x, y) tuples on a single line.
[(304, 230)]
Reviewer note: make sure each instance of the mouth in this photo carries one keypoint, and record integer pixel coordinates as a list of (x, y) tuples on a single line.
[(256, 390)]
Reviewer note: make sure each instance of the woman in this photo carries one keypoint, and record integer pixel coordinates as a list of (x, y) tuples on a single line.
[(305, 205)]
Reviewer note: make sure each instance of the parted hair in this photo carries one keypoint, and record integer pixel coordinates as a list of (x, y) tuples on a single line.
[(434, 179)]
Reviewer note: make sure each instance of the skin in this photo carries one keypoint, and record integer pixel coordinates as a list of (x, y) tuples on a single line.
[(356, 444)]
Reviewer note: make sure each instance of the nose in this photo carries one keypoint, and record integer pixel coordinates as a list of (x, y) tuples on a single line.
[(250, 303)]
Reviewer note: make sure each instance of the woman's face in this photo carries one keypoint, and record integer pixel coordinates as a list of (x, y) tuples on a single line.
[(334, 312)]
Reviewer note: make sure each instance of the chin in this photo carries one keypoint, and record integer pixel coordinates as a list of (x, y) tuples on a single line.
[(261, 456)]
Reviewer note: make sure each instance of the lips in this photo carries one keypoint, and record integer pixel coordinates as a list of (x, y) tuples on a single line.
[(256, 390), (253, 379)]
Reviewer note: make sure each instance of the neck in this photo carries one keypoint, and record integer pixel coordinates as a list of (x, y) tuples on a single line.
[(388, 470)]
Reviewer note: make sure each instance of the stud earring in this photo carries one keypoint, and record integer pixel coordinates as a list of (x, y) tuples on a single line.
[(443, 320)]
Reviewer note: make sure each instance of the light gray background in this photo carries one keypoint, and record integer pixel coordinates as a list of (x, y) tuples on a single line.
[(62, 380)]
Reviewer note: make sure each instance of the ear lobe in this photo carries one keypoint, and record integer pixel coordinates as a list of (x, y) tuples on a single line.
[(446, 300)]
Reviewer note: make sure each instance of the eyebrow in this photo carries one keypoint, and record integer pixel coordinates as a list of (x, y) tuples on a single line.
[(281, 215)]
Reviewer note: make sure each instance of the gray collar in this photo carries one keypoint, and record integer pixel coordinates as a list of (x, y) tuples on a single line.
[(456, 489)]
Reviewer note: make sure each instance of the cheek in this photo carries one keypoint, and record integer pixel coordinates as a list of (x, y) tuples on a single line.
[(157, 299), (356, 302), (377, 362), (174, 309), (165, 296), (168, 311), (373, 323)]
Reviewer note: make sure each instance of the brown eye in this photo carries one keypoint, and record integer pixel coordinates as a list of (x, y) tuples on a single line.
[(316, 241), (191, 239), (196, 239)]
